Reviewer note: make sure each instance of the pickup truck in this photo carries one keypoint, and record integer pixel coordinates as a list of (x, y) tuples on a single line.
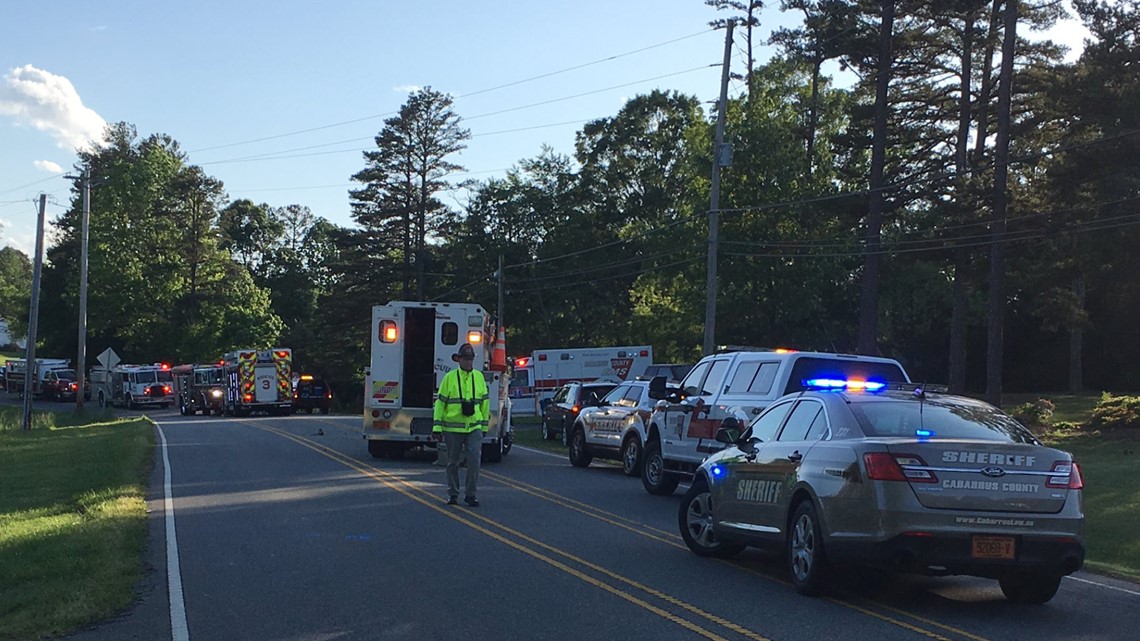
[(736, 384)]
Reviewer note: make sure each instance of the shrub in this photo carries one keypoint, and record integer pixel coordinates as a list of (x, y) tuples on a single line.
[(1034, 415), (1116, 412)]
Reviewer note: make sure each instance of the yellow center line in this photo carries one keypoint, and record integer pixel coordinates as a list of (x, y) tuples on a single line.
[(537, 491), (412, 492), (640, 529)]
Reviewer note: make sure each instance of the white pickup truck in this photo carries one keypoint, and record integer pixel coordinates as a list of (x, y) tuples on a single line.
[(737, 384)]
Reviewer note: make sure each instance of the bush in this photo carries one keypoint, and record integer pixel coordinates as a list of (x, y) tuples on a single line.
[(1034, 415), (1116, 412)]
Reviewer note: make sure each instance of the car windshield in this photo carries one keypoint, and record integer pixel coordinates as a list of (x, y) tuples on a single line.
[(65, 373), (939, 419)]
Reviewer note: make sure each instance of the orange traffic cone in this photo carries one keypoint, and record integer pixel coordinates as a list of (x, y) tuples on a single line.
[(499, 353)]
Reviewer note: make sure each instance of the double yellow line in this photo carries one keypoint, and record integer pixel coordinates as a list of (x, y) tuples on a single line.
[(482, 524)]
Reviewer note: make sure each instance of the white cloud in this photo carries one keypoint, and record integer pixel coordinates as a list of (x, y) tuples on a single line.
[(406, 88), (49, 103), (48, 166)]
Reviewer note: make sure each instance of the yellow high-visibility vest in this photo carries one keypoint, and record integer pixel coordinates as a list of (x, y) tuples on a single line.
[(456, 387)]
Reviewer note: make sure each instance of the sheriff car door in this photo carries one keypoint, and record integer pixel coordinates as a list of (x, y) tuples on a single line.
[(779, 461), (744, 487)]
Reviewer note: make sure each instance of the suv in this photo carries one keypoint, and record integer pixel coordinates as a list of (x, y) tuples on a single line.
[(559, 414), (615, 429), (311, 394), (735, 384)]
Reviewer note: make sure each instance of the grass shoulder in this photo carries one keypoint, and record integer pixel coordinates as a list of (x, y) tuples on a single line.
[(72, 519)]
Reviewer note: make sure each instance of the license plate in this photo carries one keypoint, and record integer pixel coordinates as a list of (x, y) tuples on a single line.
[(993, 547)]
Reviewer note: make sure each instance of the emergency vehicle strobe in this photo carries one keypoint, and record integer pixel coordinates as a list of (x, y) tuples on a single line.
[(412, 345)]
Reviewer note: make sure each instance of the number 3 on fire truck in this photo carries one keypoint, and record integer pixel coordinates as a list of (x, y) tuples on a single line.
[(265, 384)]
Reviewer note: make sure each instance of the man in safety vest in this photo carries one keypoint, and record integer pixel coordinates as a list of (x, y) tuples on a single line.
[(460, 421)]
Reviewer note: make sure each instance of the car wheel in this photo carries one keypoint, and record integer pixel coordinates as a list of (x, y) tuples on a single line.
[(493, 453), (807, 561), (696, 521), (130, 402), (579, 457), (654, 476), (547, 435), (1030, 587), (631, 456)]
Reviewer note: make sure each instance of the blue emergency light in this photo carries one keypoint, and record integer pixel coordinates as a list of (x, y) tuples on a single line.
[(843, 384), (921, 433)]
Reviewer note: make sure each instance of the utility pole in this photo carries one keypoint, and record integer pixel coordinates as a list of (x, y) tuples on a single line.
[(34, 317), (721, 156), (81, 360)]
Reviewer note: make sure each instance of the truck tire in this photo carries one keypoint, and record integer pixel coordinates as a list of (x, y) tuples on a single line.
[(376, 449), (493, 453), (102, 399), (579, 455), (131, 402), (654, 477)]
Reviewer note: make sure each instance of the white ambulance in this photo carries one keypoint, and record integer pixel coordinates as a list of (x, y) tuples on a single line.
[(412, 345), (537, 377)]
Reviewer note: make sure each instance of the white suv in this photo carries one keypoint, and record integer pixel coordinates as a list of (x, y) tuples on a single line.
[(736, 384)]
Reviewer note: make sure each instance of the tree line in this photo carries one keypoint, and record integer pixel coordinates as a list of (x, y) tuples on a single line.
[(867, 217)]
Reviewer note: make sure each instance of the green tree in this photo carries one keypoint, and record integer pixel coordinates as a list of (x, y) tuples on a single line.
[(399, 205), (15, 290)]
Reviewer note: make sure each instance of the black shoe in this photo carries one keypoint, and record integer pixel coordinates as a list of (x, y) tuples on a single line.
[(453, 500), (471, 501)]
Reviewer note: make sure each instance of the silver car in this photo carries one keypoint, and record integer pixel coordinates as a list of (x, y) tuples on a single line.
[(896, 478)]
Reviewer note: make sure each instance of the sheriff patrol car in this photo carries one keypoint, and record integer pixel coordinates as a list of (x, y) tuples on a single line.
[(895, 477)]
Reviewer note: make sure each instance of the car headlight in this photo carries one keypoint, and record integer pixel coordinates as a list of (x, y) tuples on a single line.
[(216, 393)]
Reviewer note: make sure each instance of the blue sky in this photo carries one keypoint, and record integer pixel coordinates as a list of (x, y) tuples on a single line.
[(277, 99)]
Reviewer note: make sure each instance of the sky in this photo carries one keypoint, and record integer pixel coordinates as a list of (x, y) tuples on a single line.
[(278, 99)]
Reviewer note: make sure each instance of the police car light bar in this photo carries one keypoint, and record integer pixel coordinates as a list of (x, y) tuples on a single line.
[(843, 384)]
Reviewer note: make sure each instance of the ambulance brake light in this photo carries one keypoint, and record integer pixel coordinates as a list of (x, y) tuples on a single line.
[(475, 337), (388, 331), (643, 353)]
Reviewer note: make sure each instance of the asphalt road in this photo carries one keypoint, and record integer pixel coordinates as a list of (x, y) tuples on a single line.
[(287, 529)]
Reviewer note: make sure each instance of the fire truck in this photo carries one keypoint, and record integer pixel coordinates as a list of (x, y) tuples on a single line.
[(412, 346), (537, 377), (133, 386), (258, 380), (199, 388)]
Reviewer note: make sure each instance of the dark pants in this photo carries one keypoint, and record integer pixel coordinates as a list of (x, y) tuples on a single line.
[(457, 443)]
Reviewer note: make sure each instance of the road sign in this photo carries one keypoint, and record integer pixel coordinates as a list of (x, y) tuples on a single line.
[(108, 358)]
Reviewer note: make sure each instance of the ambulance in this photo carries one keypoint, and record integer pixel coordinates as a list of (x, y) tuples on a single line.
[(538, 376), (412, 345)]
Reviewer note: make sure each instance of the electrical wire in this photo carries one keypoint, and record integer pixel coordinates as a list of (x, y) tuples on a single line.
[(474, 93)]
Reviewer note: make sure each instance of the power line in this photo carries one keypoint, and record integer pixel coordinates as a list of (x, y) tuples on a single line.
[(475, 93)]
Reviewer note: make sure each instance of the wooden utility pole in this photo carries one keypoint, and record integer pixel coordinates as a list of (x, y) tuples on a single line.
[(720, 157), (34, 317)]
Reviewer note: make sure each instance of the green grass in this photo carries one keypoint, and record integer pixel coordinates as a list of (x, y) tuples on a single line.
[(72, 519), (1112, 499), (531, 436), (1072, 408)]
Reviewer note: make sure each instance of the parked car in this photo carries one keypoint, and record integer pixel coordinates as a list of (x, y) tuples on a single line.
[(559, 414), (893, 477), (62, 385), (615, 429), (311, 393)]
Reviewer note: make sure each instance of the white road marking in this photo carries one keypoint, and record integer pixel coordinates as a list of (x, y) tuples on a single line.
[(178, 628), (1104, 585), (544, 453)]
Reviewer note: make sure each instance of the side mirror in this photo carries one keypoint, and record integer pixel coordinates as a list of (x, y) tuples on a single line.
[(729, 431), (657, 388)]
